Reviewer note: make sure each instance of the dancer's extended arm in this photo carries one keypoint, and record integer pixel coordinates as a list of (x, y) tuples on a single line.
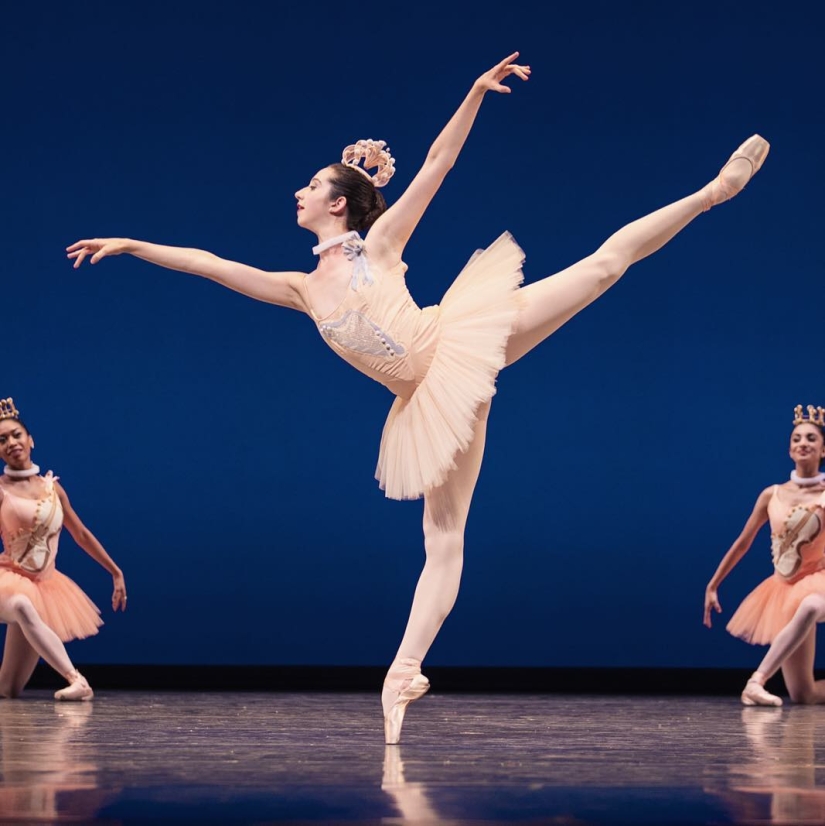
[(282, 288), (739, 548), (86, 540), (393, 229)]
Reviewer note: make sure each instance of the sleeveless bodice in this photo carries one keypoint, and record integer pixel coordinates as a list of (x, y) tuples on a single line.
[(797, 537), (378, 328), (30, 530)]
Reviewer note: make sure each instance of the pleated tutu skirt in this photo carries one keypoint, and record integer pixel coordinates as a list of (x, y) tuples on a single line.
[(62, 605), (771, 606), (424, 434)]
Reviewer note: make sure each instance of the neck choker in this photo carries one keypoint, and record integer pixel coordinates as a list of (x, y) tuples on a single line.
[(22, 474), (333, 242), (807, 481)]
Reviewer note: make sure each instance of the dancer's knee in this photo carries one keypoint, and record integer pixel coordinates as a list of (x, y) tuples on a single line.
[(811, 610), (443, 547), (20, 609), (10, 691), (804, 694)]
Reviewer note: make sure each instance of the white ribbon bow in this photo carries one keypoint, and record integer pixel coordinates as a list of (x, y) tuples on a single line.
[(354, 251)]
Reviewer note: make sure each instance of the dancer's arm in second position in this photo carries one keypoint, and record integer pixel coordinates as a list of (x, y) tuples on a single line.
[(739, 548), (389, 235), (281, 288)]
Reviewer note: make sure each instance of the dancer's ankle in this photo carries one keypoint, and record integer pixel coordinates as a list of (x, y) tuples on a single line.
[(758, 677)]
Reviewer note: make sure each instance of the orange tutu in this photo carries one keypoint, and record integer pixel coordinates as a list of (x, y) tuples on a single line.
[(62, 605), (771, 606), (424, 434)]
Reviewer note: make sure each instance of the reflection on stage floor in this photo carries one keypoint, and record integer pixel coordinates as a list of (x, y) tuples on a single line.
[(319, 758)]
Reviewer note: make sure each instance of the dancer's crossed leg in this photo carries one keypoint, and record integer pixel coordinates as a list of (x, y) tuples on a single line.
[(547, 305), (793, 651), (27, 639)]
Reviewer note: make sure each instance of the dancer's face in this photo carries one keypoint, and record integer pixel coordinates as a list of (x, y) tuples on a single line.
[(15, 445), (315, 201), (807, 443)]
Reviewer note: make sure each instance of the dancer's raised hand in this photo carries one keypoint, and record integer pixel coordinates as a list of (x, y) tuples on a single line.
[(96, 247), (491, 81)]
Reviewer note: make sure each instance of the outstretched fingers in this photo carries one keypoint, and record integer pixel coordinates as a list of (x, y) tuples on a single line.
[(80, 250), (79, 255), (492, 80)]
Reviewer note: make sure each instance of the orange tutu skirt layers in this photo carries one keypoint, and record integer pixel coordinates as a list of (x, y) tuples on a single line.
[(424, 434), (62, 605), (771, 606)]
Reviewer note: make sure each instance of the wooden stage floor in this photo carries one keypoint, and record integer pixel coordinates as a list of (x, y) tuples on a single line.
[(230, 758)]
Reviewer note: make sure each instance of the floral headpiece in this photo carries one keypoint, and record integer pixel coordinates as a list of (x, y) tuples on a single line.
[(374, 154)]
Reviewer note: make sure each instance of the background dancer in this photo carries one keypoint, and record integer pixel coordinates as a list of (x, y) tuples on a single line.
[(42, 607), (785, 609)]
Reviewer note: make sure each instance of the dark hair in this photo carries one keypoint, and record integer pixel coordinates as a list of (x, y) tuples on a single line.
[(364, 202), (19, 421)]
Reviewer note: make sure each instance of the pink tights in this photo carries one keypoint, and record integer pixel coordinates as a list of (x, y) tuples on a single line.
[(27, 639), (793, 650), (548, 304)]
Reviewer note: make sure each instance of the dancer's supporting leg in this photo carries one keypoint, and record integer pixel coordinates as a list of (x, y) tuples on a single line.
[(793, 650), (18, 611), (445, 518), (553, 301)]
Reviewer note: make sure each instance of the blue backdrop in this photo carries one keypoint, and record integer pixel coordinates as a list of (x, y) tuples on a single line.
[(225, 456)]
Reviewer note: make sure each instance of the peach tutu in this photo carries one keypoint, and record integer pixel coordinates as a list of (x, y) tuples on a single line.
[(424, 433), (61, 603), (771, 606)]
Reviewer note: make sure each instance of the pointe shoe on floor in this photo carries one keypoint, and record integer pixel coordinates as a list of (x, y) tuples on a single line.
[(77, 690), (402, 687), (740, 168), (755, 694)]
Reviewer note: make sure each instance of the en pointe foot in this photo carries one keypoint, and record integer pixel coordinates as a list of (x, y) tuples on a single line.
[(403, 685), (740, 168)]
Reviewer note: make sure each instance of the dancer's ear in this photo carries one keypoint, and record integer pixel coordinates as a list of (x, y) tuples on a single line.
[(338, 207)]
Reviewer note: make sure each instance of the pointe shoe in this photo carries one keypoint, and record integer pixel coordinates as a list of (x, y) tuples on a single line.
[(731, 181), (755, 694), (402, 687), (77, 690)]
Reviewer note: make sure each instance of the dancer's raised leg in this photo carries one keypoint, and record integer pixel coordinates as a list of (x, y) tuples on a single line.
[(551, 302), (445, 518)]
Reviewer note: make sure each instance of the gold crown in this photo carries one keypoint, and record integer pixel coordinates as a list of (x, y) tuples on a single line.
[(816, 415), (7, 409)]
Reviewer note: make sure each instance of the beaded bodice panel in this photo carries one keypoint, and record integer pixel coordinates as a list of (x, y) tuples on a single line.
[(377, 327), (797, 537), (30, 529), (354, 331)]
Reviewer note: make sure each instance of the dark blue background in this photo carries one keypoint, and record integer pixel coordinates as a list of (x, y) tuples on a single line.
[(225, 457)]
